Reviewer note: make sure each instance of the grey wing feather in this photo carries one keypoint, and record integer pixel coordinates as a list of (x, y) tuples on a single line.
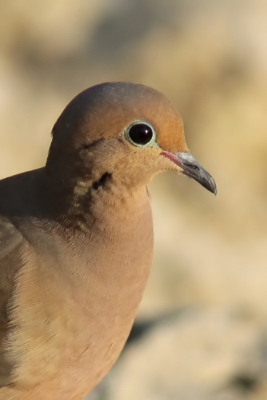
[(10, 262)]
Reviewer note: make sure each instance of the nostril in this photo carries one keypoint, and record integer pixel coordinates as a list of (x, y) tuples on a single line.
[(192, 166)]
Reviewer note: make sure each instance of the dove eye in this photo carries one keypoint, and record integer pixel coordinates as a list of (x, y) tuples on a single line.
[(141, 133)]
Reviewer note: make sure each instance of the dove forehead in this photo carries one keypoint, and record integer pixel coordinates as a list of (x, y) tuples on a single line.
[(106, 110)]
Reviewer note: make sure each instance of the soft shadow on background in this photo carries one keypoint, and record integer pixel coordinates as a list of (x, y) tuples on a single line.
[(210, 58)]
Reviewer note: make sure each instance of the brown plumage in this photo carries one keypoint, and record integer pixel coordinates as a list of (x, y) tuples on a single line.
[(76, 240)]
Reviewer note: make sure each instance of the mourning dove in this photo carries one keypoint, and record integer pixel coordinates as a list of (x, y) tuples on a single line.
[(76, 240)]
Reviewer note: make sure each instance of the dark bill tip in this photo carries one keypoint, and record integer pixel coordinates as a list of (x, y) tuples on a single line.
[(190, 167)]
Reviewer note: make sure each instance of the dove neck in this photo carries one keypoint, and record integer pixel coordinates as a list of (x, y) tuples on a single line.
[(99, 204)]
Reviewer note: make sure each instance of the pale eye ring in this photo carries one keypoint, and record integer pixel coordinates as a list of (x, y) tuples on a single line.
[(141, 133)]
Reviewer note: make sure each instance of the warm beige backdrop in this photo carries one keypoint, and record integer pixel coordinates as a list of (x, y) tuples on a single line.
[(210, 58)]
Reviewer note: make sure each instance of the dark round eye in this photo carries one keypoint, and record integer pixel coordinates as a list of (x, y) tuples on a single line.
[(140, 133)]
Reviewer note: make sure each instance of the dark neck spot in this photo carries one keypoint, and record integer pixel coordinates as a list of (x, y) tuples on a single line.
[(102, 181)]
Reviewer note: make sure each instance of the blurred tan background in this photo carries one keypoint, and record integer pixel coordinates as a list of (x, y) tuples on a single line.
[(210, 58)]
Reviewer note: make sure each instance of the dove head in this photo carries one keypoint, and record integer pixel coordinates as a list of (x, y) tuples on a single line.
[(120, 132)]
